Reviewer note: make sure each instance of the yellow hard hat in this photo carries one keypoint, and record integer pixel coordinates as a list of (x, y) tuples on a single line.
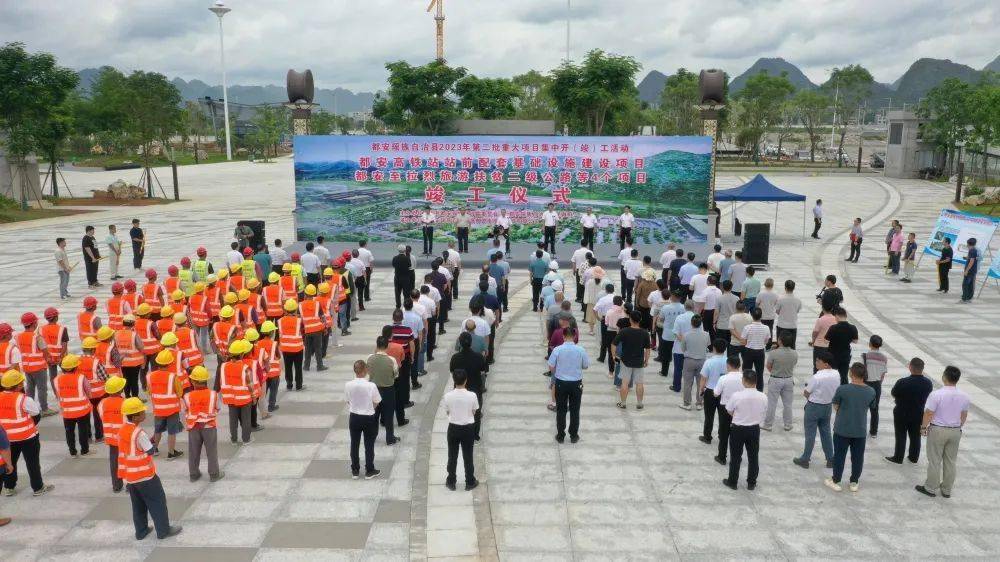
[(199, 287), (267, 327), (226, 311), (234, 268), (236, 348), (212, 278), (105, 333), (169, 338), (70, 361), (11, 378), (177, 295), (230, 298), (223, 273), (199, 374), (180, 318), (114, 385), (251, 335), (143, 309), (310, 289), (253, 283), (89, 342), (166, 312), (291, 305), (132, 406), (243, 295), (165, 357), (324, 288), (128, 319), (273, 277), (328, 272), (286, 267)]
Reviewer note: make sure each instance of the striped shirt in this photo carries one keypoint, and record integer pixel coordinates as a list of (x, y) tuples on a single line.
[(402, 335), (756, 335)]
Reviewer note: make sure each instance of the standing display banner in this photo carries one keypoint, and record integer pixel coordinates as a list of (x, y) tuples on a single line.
[(958, 227)]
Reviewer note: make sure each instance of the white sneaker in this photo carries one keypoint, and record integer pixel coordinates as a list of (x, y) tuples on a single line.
[(684, 406), (699, 406), (833, 485), (853, 487)]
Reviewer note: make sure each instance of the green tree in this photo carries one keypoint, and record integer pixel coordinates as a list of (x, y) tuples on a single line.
[(759, 110), (534, 101), (488, 98), (948, 110), (33, 90), (420, 99), (322, 123), (985, 130), (270, 122), (587, 96), (678, 99), (195, 124), (851, 86), (811, 107)]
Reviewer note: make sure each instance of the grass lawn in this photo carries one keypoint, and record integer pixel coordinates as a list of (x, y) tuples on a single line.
[(17, 215), (990, 209)]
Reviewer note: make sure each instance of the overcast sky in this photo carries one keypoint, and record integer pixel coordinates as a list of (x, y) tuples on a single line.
[(347, 42)]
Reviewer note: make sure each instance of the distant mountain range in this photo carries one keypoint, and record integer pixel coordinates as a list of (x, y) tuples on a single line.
[(336, 100), (914, 84)]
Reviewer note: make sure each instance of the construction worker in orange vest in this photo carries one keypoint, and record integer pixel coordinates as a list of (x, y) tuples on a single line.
[(287, 282), (199, 315), (87, 321), (166, 322), (246, 316), (187, 342), (117, 306), (110, 412), (178, 301), (165, 391), (267, 348), (131, 295), (224, 332), (149, 335), (152, 293), (273, 297), (73, 390), (136, 468), (256, 300), (179, 366), (224, 283), (10, 356), (238, 391), (131, 349), (172, 282), (236, 281), (213, 296), (107, 352), (56, 338), (311, 313), (342, 280), (18, 416), (327, 306), (201, 407), (255, 362), (291, 342), (94, 372), (34, 360)]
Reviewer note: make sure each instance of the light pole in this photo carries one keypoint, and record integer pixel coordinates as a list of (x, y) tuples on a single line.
[(568, 16), (220, 10)]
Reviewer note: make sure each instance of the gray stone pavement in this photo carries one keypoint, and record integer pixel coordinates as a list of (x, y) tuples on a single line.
[(638, 486)]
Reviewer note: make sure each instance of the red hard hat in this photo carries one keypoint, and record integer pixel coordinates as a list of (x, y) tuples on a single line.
[(247, 252), (339, 262), (89, 302), (28, 318), (295, 256), (172, 270), (116, 288), (346, 254), (51, 313), (201, 251), (150, 274), (186, 261), (5, 330), (129, 285)]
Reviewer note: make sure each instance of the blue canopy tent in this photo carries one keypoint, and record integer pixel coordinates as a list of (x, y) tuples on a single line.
[(761, 190)]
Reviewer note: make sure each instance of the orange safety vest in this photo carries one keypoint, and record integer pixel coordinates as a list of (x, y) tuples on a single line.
[(309, 311), (290, 334), (257, 303), (235, 384), (287, 284), (133, 299), (88, 366), (53, 335), (244, 316), (103, 353), (273, 298), (267, 349), (86, 325), (32, 358), (74, 400), (110, 410), (202, 407), (150, 343), (223, 286), (198, 310), (134, 464), (14, 417), (189, 347), (117, 309), (171, 284), (130, 354), (214, 297), (152, 294), (164, 325), (336, 284), (166, 402), (326, 310), (7, 355), (235, 283), (255, 370), (177, 367), (222, 332)]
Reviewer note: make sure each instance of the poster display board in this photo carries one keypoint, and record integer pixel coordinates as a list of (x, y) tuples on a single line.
[(994, 272), (958, 227), (349, 188)]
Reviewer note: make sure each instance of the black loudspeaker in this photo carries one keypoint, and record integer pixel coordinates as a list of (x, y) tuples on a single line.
[(756, 243), (259, 236)]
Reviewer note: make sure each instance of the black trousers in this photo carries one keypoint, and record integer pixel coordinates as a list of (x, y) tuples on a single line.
[(149, 500), (817, 223), (588, 237), (628, 287), (463, 436), (30, 449), (708, 321), (549, 239), (873, 410), (293, 360), (855, 250), (906, 426), (579, 286), (536, 291), (91, 267), (568, 396), (462, 233), (116, 483), (943, 270), (432, 330), (754, 359), (314, 347), (360, 285), (711, 402), (137, 254), (399, 288), (454, 284), (367, 427), (367, 288), (385, 410), (77, 429), (478, 416), (131, 381), (792, 331), (843, 361), (744, 437), (624, 234), (725, 424), (605, 341), (402, 386), (428, 238), (97, 431), (665, 352)]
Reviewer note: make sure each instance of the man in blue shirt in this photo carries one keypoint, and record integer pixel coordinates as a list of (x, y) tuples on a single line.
[(713, 368), (416, 323), (538, 268), (668, 314), (566, 363), (969, 274), (681, 326)]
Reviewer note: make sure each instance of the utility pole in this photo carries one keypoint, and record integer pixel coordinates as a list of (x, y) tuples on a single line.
[(569, 14), (439, 21)]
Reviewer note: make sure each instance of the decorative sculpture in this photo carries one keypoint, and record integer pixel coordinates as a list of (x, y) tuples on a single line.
[(300, 86)]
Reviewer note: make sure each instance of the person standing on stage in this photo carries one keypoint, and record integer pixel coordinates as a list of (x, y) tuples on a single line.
[(427, 219), (588, 221), (462, 223), (550, 220), (625, 223), (503, 228)]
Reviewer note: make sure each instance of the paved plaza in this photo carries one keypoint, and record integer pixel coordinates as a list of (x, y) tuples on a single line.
[(639, 485)]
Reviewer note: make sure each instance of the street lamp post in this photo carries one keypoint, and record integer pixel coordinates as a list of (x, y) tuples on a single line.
[(220, 9)]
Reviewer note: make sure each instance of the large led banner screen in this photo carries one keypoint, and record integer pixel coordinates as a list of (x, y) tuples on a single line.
[(375, 188)]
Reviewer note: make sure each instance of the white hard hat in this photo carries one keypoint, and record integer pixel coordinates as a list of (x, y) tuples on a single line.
[(553, 265)]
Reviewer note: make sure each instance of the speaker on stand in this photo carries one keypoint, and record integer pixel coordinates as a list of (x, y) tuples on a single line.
[(756, 243)]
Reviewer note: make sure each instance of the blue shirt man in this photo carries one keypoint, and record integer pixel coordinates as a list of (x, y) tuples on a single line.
[(413, 321), (538, 268), (668, 315), (713, 368), (568, 361), (489, 301)]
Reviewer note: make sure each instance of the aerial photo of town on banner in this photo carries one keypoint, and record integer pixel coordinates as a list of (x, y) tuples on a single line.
[(375, 188)]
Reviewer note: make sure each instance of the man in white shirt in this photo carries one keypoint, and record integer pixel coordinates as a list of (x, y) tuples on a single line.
[(233, 256), (625, 223), (453, 262), (114, 251), (310, 264), (362, 398), (715, 259), (588, 221), (697, 286), (503, 229), (727, 385), (427, 220), (817, 218), (579, 258), (368, 259), (550, 220), (322, 252), (278, 256), (632, 268), (747, 408), (461, 406), (819, 392), (711, 296), (623, 256), (754, 338), (738, 274)]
